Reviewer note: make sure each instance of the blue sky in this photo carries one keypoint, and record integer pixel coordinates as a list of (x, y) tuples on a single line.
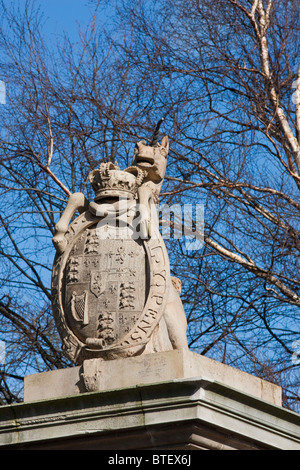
[(64, 15)]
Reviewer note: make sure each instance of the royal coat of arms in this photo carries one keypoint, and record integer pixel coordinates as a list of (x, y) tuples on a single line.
[(112, 293)]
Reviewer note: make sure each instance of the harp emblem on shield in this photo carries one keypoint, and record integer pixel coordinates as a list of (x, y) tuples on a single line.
[(79, 307)]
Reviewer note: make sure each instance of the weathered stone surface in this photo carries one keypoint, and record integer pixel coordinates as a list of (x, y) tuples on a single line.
[(109, 295), (112, 293), (176, 414), (98, 374)]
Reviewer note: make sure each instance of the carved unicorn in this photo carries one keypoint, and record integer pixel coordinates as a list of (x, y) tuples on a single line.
[(152, 160)]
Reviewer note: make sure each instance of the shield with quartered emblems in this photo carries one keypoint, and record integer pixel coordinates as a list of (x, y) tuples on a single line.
[(112, 277), (108, 286)]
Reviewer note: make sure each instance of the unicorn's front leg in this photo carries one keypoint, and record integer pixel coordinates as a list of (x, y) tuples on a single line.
[(76, 202)]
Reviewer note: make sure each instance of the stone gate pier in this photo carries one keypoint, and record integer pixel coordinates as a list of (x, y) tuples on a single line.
[(174, 400), (134, 385)]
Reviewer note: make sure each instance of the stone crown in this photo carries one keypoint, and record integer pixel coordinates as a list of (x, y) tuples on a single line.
[(109, 181)]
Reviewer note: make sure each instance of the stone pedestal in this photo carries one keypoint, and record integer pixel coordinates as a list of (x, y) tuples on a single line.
[(176, 400), (100, 375)]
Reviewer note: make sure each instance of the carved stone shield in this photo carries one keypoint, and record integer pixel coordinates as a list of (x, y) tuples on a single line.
[(108, 294)]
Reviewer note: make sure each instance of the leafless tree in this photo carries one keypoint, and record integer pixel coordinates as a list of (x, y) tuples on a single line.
[(225, 75), (228, 75)]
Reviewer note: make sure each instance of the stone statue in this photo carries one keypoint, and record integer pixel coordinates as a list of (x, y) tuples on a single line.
[(112, 293)]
